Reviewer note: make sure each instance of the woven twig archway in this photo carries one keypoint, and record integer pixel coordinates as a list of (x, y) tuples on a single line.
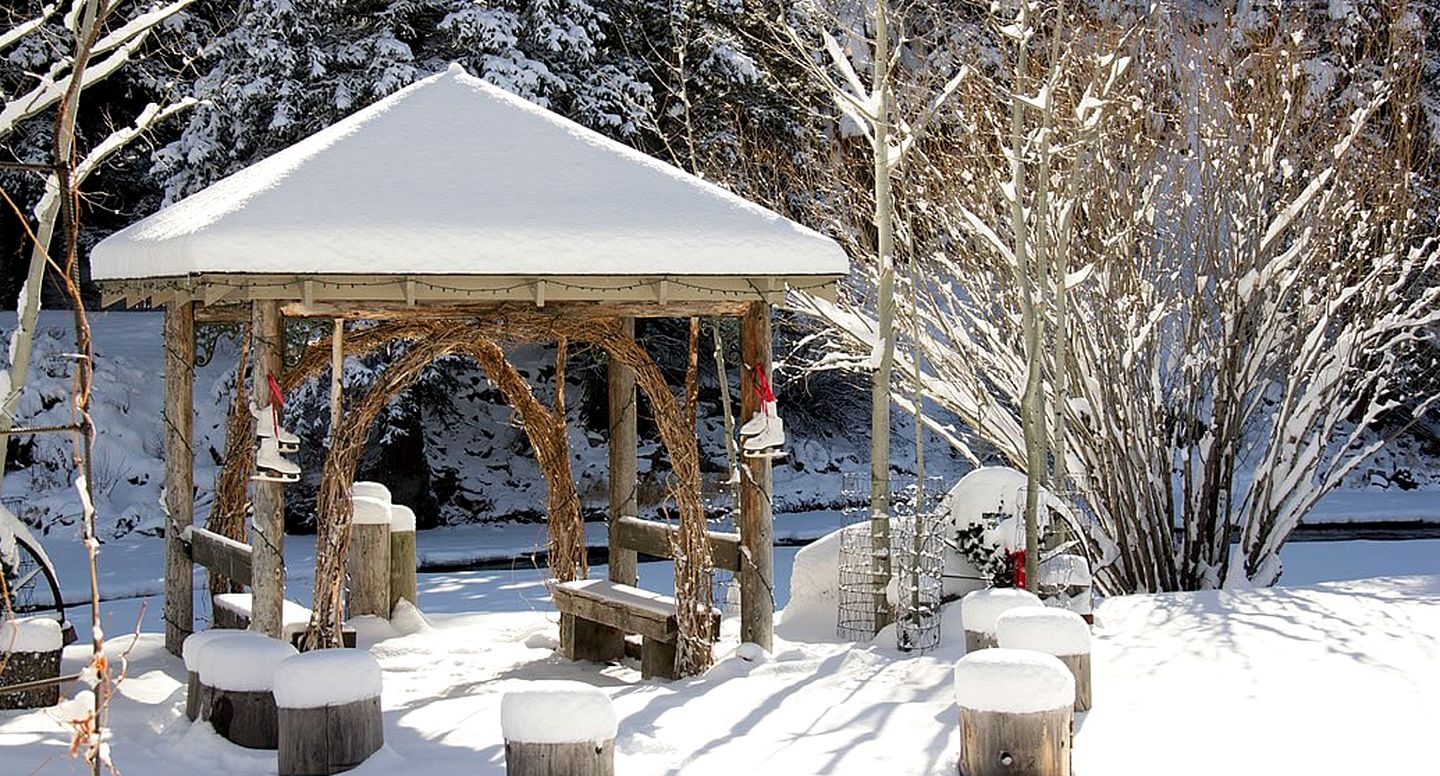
[(433, 340)]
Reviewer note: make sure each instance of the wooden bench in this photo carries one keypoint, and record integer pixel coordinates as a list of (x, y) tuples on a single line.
[(232, 610), (231, 559), (596, 614)]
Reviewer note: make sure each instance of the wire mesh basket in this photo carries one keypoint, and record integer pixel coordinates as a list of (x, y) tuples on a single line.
[(915, 575), (919, 566)]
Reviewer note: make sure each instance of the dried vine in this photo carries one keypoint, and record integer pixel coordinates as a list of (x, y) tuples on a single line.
[(477, 339), (227, 511)]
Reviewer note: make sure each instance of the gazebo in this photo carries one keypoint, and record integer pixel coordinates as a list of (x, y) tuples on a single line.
[(458, 217)]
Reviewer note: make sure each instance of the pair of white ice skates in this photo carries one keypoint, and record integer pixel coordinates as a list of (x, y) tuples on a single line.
[(270, 463), (764, 433)]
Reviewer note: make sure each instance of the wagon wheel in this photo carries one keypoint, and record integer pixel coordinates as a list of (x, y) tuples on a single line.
[(32, 587)]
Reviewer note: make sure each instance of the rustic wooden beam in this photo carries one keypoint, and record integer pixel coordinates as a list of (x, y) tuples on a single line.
[(267, 498), (219, 553), (179, 472), (624, 483), (757, 529), (654, 538)]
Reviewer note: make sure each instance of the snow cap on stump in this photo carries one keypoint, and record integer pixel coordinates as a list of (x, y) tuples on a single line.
[(1048, 630), (368, 510), (557, 712), (326, 677), (367, 489), (402, 518), (979, 610), (30, 634), (1014, 681), (195, 644), (244, 662)]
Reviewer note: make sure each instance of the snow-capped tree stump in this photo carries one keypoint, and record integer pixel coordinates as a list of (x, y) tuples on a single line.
[(402, 556), (368, 566), (197, 695), (558, 728), (980, 609), (1057, 632), (238, 673), (1016, 713), (30, 650), (329, 711)]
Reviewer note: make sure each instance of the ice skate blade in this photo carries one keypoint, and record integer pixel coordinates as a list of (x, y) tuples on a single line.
[(274, 477), (769, 454)]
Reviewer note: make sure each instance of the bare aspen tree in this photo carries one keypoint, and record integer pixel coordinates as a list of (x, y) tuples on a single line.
[(867, 97)]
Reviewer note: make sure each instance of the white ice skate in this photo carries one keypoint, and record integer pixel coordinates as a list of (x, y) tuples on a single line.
[(767, 442), (271, 466), (267, 426), (760, 420)]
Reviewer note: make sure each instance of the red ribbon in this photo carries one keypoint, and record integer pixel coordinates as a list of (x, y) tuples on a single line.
[(762, 386)]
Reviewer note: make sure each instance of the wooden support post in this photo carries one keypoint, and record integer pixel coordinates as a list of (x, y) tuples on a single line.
[(368, 566), (403, 583), (757, 530), (267, 535), (623, 481), (179, 472)]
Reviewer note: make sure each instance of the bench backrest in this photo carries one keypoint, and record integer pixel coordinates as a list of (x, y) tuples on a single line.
[(654, 538), (220, 554)]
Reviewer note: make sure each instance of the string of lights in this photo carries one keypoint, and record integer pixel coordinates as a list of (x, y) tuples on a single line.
[(409, 286)]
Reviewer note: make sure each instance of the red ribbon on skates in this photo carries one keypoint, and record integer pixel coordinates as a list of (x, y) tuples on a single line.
[(277, 401), (762, 386)]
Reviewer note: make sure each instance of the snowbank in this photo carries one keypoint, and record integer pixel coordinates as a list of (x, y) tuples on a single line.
[(30, 634), (326, 677), (979, 610), (370, 511), (1016, 681), (553, 712), (1049, 630), (244, 662), (811, 614)]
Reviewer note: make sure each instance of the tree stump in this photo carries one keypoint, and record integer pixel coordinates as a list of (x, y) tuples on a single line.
[(197, 695), (238, 673), (1016, 713), (558, 728), (368, 566), (30, 648), (329, 702), (402, 556), (1057, 632), (979, 611)]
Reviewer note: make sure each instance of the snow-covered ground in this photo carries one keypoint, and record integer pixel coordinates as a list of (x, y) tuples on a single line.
[(1313, 678)]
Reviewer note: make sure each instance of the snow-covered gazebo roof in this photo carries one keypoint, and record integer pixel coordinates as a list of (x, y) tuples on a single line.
[(452, 189)]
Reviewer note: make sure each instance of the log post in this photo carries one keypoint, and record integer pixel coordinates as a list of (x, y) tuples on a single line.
[(197, 695), (1016, 713), (267, 535), (1054, 631), (368, 565), (179, 471), (757, 530), (402, 556), (329, 711), (555, 728), (29, 652), (624, 501), (237, 672), (980, 609)]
